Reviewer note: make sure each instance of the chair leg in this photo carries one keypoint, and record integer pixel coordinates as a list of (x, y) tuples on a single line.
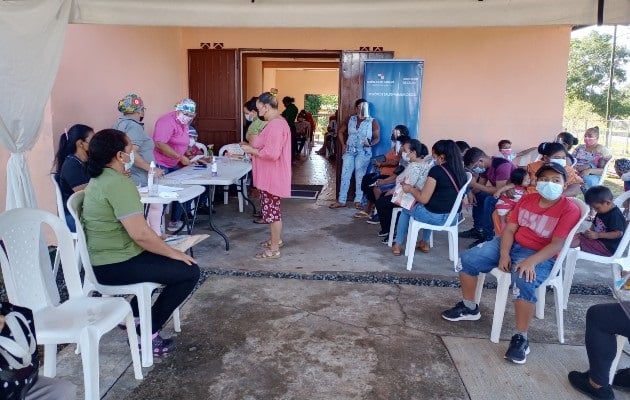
[(89, 341), (412, 238), (392, 226), (481, 278), (50, 360), (177, 325), (56, 264), (621, 341), (559, 298), (146, 328), (226, 190), (541, 295), (454, 247), (133, 345), (569, 271), (240, 202), (503, 287)]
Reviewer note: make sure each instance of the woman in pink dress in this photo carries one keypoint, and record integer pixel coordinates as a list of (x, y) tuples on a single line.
[(271, 169)]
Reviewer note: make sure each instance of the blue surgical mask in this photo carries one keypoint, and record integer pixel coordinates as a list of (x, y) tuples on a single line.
[(249, 118), (478, 170), (129, 163), (560, 161), (549, 190)]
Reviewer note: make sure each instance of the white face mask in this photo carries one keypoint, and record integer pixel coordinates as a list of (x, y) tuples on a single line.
[(129, 163), (249, 118), (559, 161), (549, 190), (405, 156), (184, 119)]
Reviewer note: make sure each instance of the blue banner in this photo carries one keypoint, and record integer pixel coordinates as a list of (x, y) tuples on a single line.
[(393, 88)]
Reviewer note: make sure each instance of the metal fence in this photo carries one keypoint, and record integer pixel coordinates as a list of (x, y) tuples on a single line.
[(617, 140)]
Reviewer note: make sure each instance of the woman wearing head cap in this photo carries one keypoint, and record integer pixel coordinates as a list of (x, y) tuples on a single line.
[(130, 122), (171, 142)]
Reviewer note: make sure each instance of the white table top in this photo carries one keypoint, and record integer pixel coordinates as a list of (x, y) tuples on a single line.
[(188, 192), (229, 172)]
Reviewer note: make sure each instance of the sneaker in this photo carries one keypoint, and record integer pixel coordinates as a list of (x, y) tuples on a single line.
[(373, 220), (581, 383), (461, 313), (174, 226), (162, 346), (383, 234), (472, 233), (518, 350), (386, 239), (621, 380)]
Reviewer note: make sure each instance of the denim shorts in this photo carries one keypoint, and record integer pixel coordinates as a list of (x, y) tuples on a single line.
[(485, 257)]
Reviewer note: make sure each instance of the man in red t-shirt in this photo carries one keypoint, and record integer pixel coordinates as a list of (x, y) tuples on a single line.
[(535, 233)]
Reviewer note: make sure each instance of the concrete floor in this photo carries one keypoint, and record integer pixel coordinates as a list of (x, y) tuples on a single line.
[(350, 323)]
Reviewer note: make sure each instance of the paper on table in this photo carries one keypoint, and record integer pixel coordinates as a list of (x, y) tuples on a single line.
[(168, 195), (164, 188), (185, 242), (197, 158)]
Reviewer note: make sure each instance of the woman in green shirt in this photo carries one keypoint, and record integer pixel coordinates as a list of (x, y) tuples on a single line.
[(123, 248)]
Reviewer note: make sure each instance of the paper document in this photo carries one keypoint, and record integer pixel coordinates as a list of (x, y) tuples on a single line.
[(185, 242)]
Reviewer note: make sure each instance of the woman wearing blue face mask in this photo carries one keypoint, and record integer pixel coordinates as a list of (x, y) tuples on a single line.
[(555, 152), (123, 248)]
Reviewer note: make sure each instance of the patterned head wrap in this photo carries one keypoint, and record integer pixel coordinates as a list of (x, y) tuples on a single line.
[(186, 106), (130, 104)]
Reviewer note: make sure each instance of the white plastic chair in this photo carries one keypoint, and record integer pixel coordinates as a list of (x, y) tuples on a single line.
[(62, 214), (605, 172), (142, 291), (449, 227), (555, 280), (80, 319), (395, 213), (203, 148), (575, 254), (233, 148)]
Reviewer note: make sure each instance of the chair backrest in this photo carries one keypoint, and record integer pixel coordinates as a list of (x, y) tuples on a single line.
[(75, 206), (60, 211), (232, 148), (584, 211), (605, 171), (625, 239), (458, 201), (27, 274), (203, 148)]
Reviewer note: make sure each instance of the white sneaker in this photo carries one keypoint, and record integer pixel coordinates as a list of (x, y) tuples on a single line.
[(174, 226)]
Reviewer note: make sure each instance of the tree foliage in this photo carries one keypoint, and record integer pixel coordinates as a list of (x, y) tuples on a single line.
[(589, 74)]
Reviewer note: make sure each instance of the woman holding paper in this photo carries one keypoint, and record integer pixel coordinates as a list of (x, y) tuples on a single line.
[(123, 248), (434, 201)]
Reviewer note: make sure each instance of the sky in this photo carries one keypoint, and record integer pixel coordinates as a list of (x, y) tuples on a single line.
[(623, 35)]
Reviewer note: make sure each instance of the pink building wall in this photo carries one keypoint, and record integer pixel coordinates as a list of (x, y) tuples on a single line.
[(480, 84)]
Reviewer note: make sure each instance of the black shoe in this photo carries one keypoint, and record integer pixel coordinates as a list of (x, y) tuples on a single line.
[(472, 233), (477, 243), (518, 350), (621, 380), (383, 234), (579, 381), (386, 240), (203, 210), (461, 313)]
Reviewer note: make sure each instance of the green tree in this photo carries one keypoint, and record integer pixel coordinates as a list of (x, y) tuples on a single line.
[(589, 74)]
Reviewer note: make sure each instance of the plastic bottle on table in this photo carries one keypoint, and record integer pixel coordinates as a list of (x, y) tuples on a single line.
[(214, 167), (152, 186)]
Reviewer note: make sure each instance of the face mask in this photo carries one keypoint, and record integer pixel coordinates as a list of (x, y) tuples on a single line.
[(184, 119), (478, 170), (590, 141), (549, 190), (397, 145), (405, 156), (129, 164), (560, 161), (506, 152), (191, 142), (249, 118)]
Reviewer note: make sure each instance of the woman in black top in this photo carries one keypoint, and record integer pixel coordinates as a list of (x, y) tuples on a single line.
[(71, 174), (437, 197)]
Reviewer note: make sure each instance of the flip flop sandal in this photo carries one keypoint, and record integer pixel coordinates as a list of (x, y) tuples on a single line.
[(396, 250), (361, 214), (268, 254), (336, 205), (267, 244)]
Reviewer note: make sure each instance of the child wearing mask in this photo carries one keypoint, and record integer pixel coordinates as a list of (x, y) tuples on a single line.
[(505, 150), (509, 195)]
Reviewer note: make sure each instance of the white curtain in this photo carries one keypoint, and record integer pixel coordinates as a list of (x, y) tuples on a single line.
[(31, 39)]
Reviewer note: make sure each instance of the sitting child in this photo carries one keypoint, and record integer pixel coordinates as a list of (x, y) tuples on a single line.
[(509, 195), (608, 226), (505, 150)]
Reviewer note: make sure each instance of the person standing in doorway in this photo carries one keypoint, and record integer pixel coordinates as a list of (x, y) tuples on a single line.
[(271, 154), (363, 133), (290, 113)]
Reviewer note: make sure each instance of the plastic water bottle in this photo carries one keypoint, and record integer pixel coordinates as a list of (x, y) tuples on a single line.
[(151, 184), (214, 170)]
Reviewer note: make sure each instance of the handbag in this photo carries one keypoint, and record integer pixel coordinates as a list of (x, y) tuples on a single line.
[(451, 178), (19, 358)]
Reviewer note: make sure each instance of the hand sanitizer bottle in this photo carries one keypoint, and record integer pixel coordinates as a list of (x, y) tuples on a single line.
[(214, 167), (151, 183)]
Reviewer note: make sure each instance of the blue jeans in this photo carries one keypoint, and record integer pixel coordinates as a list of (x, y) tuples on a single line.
[(591, 180), (176, 208), (485, 257), (419, 213), (70, 222), (482, 214), (357, 163)]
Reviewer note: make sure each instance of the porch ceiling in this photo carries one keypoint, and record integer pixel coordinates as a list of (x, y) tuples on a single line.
[(348, 13)]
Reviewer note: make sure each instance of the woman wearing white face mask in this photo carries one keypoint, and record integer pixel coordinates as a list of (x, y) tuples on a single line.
[(555, 152), (171, 143)]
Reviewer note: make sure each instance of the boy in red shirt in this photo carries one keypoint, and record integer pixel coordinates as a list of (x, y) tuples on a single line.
[(535, 232)]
